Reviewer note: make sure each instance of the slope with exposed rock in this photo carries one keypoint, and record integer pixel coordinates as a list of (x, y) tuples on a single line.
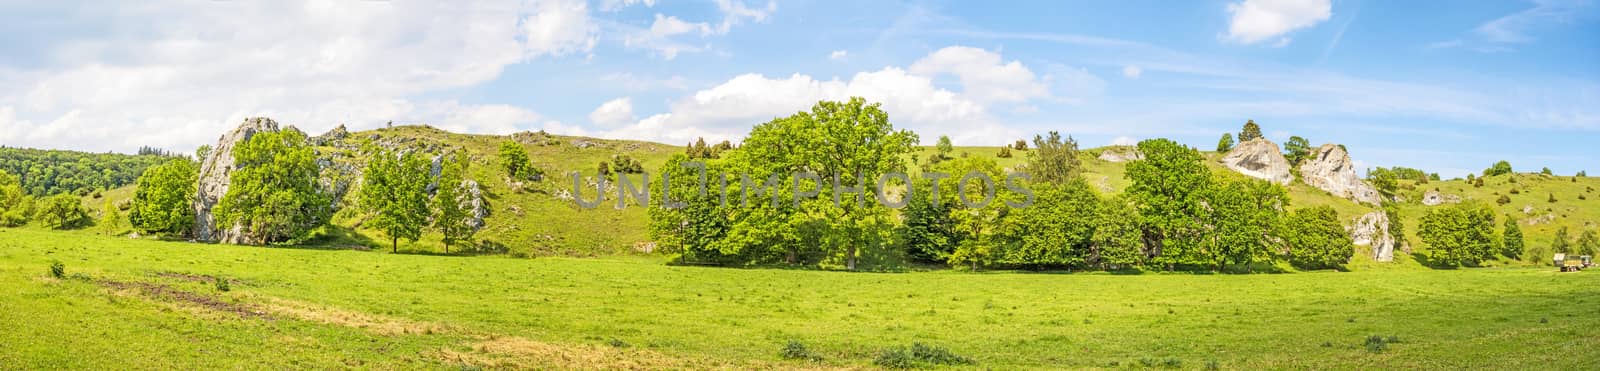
[(1261, 159), (1330, 169)]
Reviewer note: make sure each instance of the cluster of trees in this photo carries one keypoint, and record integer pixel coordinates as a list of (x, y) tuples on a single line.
[(699, 150), (395, 192), (1587, 243), (49, 172), (1175, 214), (275, 193), (17, 207)]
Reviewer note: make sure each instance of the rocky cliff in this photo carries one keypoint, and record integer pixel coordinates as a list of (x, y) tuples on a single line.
[(1261, 159), (212, 184), (1329, 168)]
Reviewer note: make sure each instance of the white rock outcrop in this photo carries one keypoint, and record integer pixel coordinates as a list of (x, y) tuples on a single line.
[(1121, 154), (1372, 229), (1435, 198), (1329, 168), (1261, 159), (215, 171)]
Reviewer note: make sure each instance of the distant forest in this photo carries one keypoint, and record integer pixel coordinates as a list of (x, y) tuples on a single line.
[(48, 172)]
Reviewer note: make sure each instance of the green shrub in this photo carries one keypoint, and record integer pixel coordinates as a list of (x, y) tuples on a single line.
[(58, 270), (1376, 344), (63, 211), (222, 284), (617, 343), (937, 355), (796, 350), (895, 358)]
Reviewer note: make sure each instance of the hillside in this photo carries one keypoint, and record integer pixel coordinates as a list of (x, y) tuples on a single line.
[(539, 218)]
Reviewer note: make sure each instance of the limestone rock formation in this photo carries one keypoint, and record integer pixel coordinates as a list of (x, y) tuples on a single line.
[(1261, 159), (1121, 154), (1372, 229), (215, 171), (1435, 198), (472, 195), (1330, 169), (337, 134)]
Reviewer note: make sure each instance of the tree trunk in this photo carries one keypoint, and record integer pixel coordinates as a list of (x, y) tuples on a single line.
[(850, 261), (395, 241)]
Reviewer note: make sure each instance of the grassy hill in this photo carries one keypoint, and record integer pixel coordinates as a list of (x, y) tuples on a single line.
[(533, 220), (154, 304)]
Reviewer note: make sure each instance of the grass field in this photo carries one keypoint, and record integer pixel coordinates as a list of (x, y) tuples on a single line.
[(151, 304)]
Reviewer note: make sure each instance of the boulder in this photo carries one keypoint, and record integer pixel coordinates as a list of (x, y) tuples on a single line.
[(212, 184), (1121, 154), (1435, 198), (1329, 168), (1261, 159), (1372, 229)]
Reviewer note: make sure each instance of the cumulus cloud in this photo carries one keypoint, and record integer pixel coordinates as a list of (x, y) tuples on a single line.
[(983, 74), (666, 35), (613, 113), (839, 55), (1258, 20), (727, 111), (164, 82)]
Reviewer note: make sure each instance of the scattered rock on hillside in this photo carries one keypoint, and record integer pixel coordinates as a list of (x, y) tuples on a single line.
[(212, 184), (337, 134), (1330, 169), (1261, 159), (1434, 198), (1121, 154), (1372, 229)]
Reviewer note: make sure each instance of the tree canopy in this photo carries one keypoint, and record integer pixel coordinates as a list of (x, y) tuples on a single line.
[(394, 192), (164, 199), (273, 193)]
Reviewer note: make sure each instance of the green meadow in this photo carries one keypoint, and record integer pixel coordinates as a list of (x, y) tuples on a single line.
[(152, 304)]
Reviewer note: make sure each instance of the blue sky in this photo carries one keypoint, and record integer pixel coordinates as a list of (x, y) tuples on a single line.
[(1446, 86)]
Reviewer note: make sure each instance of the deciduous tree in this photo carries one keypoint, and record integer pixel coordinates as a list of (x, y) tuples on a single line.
[(394, 191)]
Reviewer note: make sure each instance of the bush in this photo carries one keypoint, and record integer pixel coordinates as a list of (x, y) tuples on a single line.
[(222, 284), (895, 358), (1503, 200), (937, 355), (796, 350), (63, 211), (1377, 344), (58, 270)]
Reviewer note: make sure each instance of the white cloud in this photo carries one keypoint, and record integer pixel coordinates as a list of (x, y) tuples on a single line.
[(735, 12), (667, 26), (559, 27), (839, 55), (727, 111), (616, 5), (613, 113), (1132, 71), (983, 74), (1257, 20), (665, 35), (178, 75)]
